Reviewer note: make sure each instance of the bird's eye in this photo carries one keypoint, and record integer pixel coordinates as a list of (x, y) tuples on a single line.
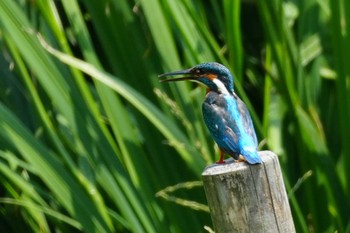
[(197, 71)]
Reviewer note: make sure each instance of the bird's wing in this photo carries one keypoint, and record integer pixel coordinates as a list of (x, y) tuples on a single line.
[(220, 123)]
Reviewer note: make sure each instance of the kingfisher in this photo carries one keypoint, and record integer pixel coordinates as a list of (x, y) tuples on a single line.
[(225, 115)]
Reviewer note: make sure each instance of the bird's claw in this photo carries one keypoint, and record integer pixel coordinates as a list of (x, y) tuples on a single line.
[(241, 159)]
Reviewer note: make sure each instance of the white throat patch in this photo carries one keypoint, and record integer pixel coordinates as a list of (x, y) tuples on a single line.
[(221, 87)]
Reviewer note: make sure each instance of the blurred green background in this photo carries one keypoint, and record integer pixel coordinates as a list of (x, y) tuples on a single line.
[(90, 141)]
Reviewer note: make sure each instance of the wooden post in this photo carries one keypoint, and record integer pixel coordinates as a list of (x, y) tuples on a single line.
[(248, 198)]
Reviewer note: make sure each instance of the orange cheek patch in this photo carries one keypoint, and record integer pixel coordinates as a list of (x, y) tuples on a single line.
[(211, 76)]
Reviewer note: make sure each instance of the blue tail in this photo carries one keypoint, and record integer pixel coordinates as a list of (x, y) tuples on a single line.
[(252, 157)]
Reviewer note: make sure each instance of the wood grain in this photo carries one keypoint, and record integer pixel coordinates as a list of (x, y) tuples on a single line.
[(248, 198)]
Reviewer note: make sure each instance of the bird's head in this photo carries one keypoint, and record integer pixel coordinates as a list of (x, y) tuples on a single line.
[(213, 75)]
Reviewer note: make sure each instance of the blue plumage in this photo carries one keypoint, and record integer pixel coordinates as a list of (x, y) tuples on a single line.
[(224, 113)]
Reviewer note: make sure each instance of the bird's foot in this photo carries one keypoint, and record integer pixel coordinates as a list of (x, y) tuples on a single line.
[(240, 159), (220, 162)]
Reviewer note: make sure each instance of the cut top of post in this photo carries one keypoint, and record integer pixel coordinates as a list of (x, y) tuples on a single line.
[(231, 164)]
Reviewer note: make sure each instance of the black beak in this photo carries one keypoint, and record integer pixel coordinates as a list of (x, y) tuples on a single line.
[(183, 72)]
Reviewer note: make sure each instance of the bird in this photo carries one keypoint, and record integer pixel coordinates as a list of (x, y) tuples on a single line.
[(225, 114)]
